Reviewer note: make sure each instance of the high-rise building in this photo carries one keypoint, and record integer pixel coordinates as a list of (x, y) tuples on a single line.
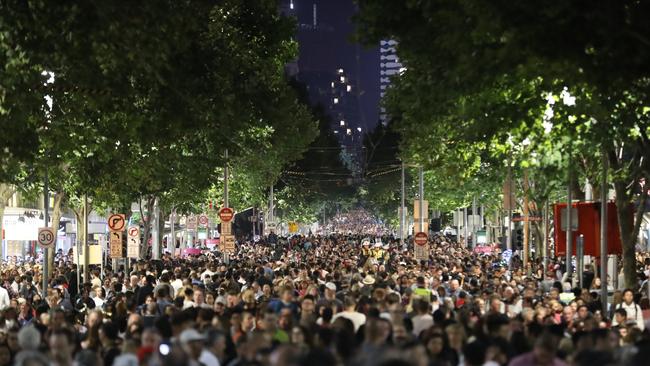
[(339, 75), (389, 66)]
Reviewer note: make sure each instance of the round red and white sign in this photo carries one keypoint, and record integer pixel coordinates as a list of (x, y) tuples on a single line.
[(46, 237), (203, 220), (226, 214), (116, 222), (421, 238)]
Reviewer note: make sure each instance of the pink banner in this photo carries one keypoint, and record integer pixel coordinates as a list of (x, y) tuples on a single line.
[(191, 251), (483, 249)]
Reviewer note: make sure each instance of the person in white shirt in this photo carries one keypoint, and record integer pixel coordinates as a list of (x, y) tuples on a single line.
[(423, 320), (634, 312), (214, 350), (357, 318), (4, 298), (177, 283)]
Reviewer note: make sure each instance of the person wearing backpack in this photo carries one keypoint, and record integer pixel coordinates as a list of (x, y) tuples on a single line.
[(632, 309)]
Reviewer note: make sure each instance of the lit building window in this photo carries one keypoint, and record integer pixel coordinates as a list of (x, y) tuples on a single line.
[(291, 5), (332, 84), (349, 131), (359, 129), (343, 79), (336, 131), (342, 123), (349, 88), (340, 71), (336, 100)]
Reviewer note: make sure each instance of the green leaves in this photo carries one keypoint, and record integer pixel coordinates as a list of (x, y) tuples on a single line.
[(147, 97)]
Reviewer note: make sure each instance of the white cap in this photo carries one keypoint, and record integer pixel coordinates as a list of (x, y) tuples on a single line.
[(330, 286), (191, 335)]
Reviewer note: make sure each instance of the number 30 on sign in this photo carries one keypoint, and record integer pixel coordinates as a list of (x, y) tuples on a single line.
[(46, 237)]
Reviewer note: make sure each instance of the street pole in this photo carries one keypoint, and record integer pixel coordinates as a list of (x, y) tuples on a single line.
[(402, 216), (603, 236), (580, 258), (473, 219), (546, 238), (85, 242), (465, 222), (225, 196), (155, 231), (526, 224), (271, 215), (509, 208), (458, 220), (46, 219), (569, 232), (482, 224), (254, 221), (171, 244), (225, 182), (421, 192)]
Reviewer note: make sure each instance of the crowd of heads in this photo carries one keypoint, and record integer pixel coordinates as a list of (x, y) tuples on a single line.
[(320, 300), (357, 221)]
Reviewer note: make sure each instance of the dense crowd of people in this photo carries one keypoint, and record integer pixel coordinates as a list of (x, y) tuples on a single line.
[(335, 300), (356, 221)]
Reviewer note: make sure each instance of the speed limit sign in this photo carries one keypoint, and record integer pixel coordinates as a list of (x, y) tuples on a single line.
[(46, 237)]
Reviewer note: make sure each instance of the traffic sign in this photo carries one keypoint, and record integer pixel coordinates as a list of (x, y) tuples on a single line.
[(226, 228), (116, 222), (191, 222), (228, 243), (46, 237), (116, 244), (422, 252), (421, 238), (226, 214), (134, 231), (203, 220), (133, 244)]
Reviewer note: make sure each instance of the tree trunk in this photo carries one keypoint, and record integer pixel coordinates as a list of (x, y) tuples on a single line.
[(146, 223), (56, 218), (626, 228)]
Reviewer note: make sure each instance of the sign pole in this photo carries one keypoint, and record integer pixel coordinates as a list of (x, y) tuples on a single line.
[(421, 193), (171, 244), (580, 258), (458, 219), (569, 224), (86, 254), (546, 239), (509, 208), (473, 221), (155, 231), (225, 197), (402, 217), (46, 219), (465, 222), (526, 255), (603, 236)]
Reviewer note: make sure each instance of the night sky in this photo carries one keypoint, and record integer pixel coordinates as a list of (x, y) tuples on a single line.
[(327, 46)]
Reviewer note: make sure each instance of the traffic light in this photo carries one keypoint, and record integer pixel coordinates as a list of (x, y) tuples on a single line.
[(518, 238)]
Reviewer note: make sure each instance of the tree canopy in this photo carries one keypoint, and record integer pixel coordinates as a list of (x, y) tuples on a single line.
[(492, 83)]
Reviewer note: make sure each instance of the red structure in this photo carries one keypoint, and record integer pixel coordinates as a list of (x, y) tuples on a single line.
[(589, 226)]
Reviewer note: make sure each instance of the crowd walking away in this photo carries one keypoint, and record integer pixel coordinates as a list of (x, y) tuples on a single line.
[(338, 299)]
